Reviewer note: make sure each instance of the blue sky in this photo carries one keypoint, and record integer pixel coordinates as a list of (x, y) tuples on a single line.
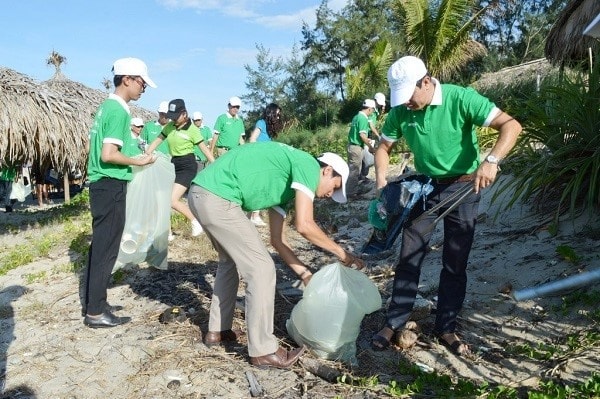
[(194, 49)]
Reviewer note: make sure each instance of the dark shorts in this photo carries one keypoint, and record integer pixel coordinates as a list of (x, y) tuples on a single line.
[(185, 169)]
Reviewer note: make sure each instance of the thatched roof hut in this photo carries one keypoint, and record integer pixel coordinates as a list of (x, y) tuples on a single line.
[(566, 43), (536, 70), (48, 121), (37, 123)]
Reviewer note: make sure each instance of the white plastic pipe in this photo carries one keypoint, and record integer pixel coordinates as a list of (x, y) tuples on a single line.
[(559, 285)]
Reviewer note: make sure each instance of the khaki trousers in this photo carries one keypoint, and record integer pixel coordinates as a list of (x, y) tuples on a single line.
[(241, 254), (355, 158)]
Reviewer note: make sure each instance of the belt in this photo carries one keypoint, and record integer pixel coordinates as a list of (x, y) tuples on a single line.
[(455, 179)]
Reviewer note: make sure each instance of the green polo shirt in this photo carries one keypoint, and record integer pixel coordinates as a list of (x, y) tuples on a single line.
[(111, 126), (261, 175), (131, 148), (8, 173), (182, 141), (229, 129), (360, 124), (151, 131), (206, 133), (442, 136)]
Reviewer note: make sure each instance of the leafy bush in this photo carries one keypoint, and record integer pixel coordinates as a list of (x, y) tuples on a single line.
[(558, 155)]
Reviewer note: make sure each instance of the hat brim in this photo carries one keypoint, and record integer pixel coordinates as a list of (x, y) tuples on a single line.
[(173, 115), (148, 81), (402, 94)]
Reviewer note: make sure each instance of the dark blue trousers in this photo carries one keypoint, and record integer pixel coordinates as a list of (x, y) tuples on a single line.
[(459, 229)]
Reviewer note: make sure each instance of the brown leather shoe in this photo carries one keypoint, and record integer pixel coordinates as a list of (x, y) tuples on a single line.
[(282, 359), (212, 338)]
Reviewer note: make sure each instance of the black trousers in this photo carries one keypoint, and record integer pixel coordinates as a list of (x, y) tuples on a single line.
[(459, 230), (107, 202)]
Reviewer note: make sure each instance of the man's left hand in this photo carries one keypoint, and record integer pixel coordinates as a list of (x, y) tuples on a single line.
[(485, 176)]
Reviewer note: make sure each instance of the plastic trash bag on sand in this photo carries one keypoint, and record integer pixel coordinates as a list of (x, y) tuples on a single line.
[(327, 318), (148, 215)]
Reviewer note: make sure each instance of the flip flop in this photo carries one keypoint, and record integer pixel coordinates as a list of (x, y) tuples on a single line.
[(379, 343), (454, 347)]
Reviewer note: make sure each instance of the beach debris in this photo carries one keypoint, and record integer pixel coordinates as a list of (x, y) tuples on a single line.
[(256, 389), (173, 314)]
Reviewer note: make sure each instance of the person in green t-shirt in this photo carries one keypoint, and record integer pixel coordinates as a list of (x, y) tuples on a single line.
[(109, 170), (152, 129), (229, 129), (358, 138), (272, 176), (207, 134), (136, 145), (7, 177), (182, 136), (438, 123)]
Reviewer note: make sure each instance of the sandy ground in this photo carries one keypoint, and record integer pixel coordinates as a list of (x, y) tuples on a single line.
[(48, 353)]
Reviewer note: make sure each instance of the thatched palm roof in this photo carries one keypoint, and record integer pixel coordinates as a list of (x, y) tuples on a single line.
[(514, 75), (566, 43), (48, 121)]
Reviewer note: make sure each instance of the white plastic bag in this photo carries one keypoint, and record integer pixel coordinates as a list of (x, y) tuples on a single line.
[(327, 318), (148, 215), (20, 191), (368, 158)]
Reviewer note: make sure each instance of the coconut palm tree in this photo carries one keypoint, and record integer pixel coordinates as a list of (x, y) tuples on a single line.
[(438, 33), (371, 76), (57, 60)]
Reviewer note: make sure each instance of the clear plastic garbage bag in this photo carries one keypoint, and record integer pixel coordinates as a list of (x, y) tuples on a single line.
[(148, 215), (327, 318)]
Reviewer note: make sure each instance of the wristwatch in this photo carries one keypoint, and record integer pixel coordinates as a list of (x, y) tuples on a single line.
[(492, 159)]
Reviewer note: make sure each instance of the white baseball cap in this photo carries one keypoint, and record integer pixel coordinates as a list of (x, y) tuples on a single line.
[(137, 122), (379, 98), (163, 107), (341, 167), (368, 103), (235, 102), (133, 67), (403, 76), (197, 116)]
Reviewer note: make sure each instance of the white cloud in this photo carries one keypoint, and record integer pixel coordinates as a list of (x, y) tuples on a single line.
[(236, 57), (249, 10)]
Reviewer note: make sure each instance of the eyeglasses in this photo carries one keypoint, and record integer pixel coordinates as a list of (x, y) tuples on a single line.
[(140, 81)]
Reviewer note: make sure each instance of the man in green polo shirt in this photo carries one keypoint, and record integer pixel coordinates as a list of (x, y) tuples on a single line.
[(207, 134), (438, 123), (109, 170), (220, 197), (358, 138), (229, 129)]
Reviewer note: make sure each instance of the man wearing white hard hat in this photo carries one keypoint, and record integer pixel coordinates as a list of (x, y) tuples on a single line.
[(358, 137), (109, 170), (229, 129), (438, 123), (207, 134), (267, 175), (152, 129)]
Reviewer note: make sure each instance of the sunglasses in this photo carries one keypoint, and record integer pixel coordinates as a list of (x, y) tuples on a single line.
[(235, 106), (140, 81)]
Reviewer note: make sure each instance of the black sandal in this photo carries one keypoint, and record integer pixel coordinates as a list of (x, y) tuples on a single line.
[(379, 343), (454, 347)]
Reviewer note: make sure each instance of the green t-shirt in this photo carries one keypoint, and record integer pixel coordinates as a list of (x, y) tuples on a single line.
[(229, 129), (206, 133), (111, 126), (8, 173), (182, 141), (132, 147), (360, 124), (442, 136), (261, 175), (151, 131)]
